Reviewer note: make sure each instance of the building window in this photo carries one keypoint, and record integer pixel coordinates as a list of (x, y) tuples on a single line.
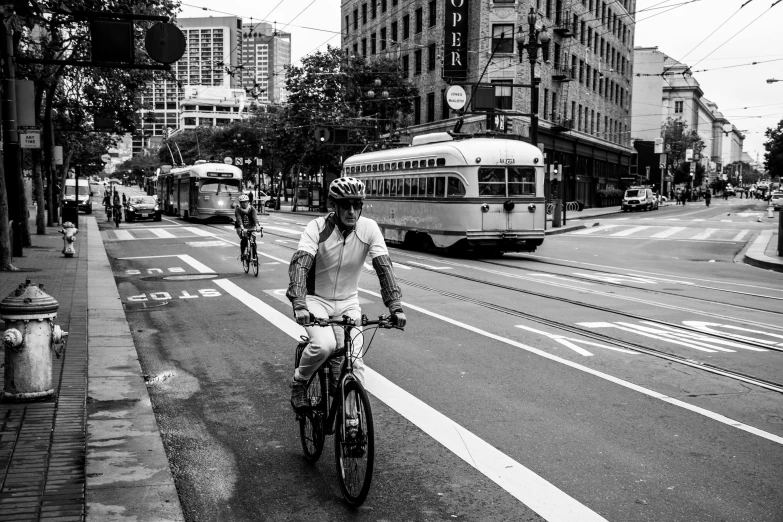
[(394, 32), (431, 57), (430, 107), (546, 103), (356, 49), (417, 62), (364, 47), (419, 20), (394, 3), (355, 18), (417, 110), (433, 13), (406, 27), (405, 66), (503, 38), (678, 107), (374, 9), (364, 14), (503, 94), (383, 6), (373, 42), (347, 24), (444, 108), (383, 39)]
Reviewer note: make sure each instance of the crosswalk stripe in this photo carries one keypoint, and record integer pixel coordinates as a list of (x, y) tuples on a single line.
[(198, 231), (668, 232), (629, 231), (739, 236), (707, 233), (284, 230), (122, 234), (162, 233), (593, 230)]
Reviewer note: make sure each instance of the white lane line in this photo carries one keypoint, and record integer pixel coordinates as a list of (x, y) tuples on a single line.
[(260, 253), (436, 267), (162, 233), (741, 235), (629, 231), (523, 484), (699, 220), (650, 393), (123, 235), (726, 221), (668, 232), (198, 231), (170, 220), (284, 230), (593, 230), (707, 233)]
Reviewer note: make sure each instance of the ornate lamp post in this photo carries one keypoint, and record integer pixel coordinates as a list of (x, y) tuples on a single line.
[(536, 39), (383, 96)]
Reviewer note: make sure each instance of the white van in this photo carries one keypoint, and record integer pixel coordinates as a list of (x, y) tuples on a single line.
[(85, 201), (637, 198)]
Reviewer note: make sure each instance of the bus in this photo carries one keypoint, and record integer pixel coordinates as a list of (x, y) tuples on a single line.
[(480, 194), (201, 191)]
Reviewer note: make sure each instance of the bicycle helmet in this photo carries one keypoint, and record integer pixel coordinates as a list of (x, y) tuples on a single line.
[(242, 198), (347, 188)]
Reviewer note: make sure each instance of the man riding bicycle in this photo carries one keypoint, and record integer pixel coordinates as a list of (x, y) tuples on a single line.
[(116, 204), (324, 278), (245, 220)]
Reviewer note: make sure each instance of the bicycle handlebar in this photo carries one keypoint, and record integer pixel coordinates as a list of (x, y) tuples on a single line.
[(383, 321)]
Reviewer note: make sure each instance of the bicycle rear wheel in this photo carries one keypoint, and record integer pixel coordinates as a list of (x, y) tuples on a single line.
[(254, 260), (354, 457), (312, 421)]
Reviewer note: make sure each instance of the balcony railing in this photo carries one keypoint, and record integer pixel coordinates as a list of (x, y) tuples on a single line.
[(561, 123), (563, 25), (562, 73)]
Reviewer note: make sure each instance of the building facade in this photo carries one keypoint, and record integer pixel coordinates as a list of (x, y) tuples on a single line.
[(212, 52), (266, 53), (585, 73)]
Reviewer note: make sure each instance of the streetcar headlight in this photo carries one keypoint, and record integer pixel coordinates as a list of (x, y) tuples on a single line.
[(485, 207), (508, 205), (531, 208)]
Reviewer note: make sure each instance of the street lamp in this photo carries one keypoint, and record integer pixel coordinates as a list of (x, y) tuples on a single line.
[(239, 145), (371, 95), (536, 39)]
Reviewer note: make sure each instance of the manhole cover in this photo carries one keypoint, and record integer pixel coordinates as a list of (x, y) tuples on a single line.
[(191, 277)]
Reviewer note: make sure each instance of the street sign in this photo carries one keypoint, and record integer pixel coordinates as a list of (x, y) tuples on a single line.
[(456, 97), (500, 122), (30, 140), (688, 154), (658, 145), (227, 160), (259, 162), (238, 161), (693, 167)]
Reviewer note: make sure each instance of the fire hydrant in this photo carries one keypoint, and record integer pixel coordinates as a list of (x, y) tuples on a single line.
[(69, 232), (29, 340)]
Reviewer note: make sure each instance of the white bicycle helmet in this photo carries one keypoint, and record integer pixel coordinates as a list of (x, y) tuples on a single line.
[(242, 198), (347, 188)]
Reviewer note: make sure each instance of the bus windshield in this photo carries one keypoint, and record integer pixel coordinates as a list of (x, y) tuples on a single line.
[(70, 190), (220, 185)]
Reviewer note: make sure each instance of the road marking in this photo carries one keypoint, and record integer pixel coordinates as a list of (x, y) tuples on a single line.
[(170, 220), (430, 266), (201, 244), (200, 267), (122, 235), (260, 253), (668, 232), (284, 230), (570, 342), (650, 393), (198, 231), (707, 233), (523, 484), (629, 231), (739, 236), (726, 221), (162, 233), (699, 220), (594, 230)]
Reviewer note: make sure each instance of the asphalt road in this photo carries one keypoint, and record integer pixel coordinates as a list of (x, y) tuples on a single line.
[(629, 371)]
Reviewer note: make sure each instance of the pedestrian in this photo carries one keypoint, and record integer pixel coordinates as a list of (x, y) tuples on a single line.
[(707, 197), (124, 199)]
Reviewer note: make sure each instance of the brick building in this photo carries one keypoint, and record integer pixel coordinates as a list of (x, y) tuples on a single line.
[(585, 71)]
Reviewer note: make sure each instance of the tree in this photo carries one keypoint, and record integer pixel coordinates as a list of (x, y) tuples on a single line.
[(773, 158), (677, 139)]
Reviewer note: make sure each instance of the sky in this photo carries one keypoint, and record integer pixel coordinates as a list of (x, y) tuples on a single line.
[(718, 39)]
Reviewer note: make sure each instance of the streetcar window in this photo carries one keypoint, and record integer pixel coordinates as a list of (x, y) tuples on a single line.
[(375, 167), (407, 188), (407, 164), (440, 186), (393, 191), (370, 186), (393, 166), (415, 187), (492, 181), (214, 185), (387, 187), (441, 162), (415, 164), (521, 181), (430, 186), (400, 165), (387, 166), (431, 163), (456, 188)]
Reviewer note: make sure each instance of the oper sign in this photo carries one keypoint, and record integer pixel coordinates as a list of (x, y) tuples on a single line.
[(455, 63)]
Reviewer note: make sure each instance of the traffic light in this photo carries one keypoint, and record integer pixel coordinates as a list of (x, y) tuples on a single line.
[(322, 135), (335, 136)]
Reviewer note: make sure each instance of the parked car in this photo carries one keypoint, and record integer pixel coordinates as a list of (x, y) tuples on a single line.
[(263, 198), (142, 207), (776, 200), (638, 198)]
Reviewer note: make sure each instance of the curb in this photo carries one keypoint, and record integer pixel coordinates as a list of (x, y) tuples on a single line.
[(128, 475), (755, 255), (563, 230)]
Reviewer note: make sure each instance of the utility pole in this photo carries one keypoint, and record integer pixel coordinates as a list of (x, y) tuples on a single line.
[(11, 161)]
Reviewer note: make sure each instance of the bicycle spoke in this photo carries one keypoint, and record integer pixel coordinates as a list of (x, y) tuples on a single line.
[(354, 451)]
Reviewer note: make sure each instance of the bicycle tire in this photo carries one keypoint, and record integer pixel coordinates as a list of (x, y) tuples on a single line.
[(246, 261), (312, 422), (255, 259), (354, 459)]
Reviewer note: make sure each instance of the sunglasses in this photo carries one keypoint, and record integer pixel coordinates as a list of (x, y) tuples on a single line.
[(346, 205)]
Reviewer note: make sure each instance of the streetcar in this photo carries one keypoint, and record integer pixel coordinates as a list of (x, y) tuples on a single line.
[(201, 191), (480, 194)]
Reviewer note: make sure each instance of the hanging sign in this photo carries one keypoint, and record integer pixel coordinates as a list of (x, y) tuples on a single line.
[(30, 140), (455, 44)]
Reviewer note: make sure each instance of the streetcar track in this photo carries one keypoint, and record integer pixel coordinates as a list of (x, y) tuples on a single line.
[(713, 369)]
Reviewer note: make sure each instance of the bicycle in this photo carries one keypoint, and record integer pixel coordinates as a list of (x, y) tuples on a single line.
[(252, 258), (117, 216), (108, 213), (354, 456)]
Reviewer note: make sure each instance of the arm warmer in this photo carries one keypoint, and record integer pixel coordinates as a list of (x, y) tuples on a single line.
[(300, 266), (390, 292)]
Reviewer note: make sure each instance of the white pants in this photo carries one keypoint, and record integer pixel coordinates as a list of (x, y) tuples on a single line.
[(323, 340)]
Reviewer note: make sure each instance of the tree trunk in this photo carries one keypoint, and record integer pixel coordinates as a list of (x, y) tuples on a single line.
[(40, 216), (25, 211), (48, 153), (5, 229)]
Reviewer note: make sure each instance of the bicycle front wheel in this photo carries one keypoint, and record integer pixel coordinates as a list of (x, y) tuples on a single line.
[(354, 453), (246, 259), (254, 260), (312, 421)]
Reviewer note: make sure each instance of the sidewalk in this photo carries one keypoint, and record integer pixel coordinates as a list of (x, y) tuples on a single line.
[(763, 252), (93, 451)]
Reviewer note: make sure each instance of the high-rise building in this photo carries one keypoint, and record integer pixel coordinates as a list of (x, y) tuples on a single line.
[(213, 48), (585, 71), (265, 54)]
